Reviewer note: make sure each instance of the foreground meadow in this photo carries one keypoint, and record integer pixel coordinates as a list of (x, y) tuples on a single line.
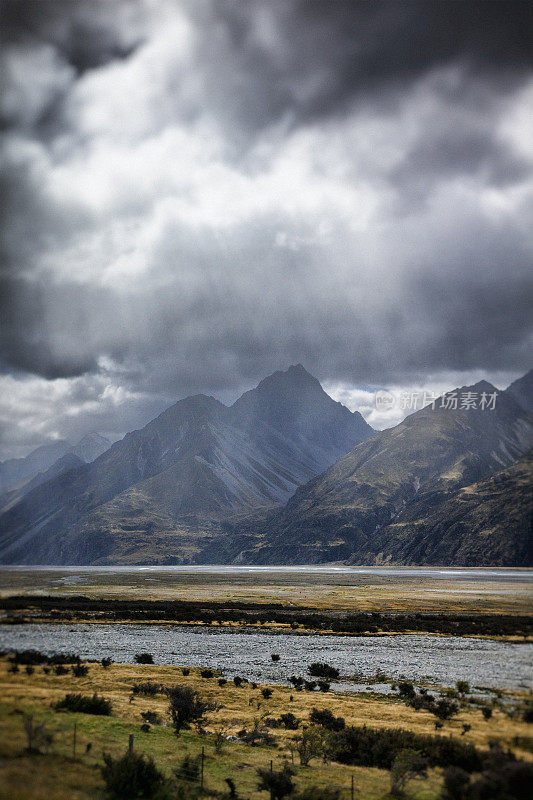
[(70, 767)]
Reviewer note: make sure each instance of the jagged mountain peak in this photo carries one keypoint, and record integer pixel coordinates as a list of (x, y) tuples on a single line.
[(290, 384)]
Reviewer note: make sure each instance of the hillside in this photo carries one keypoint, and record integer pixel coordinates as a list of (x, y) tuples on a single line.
[(160, 492), (395, 497)]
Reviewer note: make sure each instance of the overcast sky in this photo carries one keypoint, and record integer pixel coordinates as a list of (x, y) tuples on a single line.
[(199, 192)]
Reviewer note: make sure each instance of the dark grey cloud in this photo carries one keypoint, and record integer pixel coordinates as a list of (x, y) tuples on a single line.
[(87, 35), (199, 192)]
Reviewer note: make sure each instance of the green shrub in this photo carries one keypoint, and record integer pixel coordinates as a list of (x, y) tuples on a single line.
[(79, 670), (321, 670), (132, 776), (444, 709), (84, 705), (151, 717), (507, 780), (147, 688), (407, 764), (289, 721), (279, 784), (187, 707), (487, 712), (406, 689), (370, 747), (144, 658), (326, 719)]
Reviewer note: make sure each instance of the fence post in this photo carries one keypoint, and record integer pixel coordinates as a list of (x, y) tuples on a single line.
[(130, 744)]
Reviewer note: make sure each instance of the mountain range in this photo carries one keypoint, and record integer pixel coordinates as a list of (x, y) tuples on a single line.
[(163, 492), (19, 475), (287, 475)]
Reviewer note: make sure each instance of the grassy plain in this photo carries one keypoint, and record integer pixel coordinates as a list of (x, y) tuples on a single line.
[(331, 591), (65, 775)]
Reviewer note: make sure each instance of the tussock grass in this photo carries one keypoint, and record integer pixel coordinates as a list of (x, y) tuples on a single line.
[(58, 777)]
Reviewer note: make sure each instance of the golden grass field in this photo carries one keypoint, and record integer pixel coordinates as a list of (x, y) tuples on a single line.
[(322, 591), (60, 776)]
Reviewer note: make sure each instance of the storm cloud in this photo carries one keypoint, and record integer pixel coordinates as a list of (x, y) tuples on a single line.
[(196, 193)]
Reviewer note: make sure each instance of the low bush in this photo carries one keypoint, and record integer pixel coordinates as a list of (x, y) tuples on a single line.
[(279, 784), (324, 686), (35, 657), (84, 705), (502, 778), (267, 693), (487, 712), (289, 721), (369, 747), (185, 671), (258, 735), (321, 670), (237, 680), (148, 688), (106, 662), (30, 669), (206, 673), (275, 656), (326, 719), (59, 669), (151, 717), (144, 658), (79, 670), (406, 689), (133, 775), (187, 707), (222, 681), (407, 765)]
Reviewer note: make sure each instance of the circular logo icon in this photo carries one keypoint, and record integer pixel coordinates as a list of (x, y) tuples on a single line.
[(384, 400)]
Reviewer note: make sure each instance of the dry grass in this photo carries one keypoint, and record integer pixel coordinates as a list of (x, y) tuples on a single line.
[(58, 777), (322, 591)]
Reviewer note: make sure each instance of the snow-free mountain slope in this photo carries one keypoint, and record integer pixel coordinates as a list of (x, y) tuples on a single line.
[(195, 465), (346, 513)]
